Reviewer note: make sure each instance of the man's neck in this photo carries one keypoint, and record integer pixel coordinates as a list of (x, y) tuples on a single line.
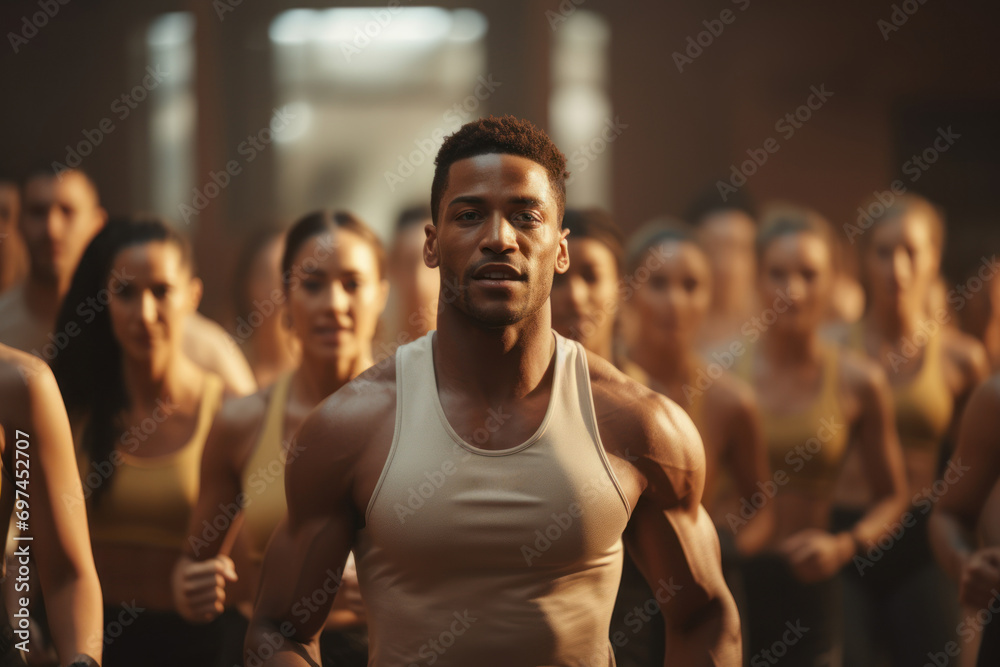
[(493, 363), (42, 298)]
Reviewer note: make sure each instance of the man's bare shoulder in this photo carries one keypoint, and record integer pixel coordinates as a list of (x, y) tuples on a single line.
[(343, 444), (655, 430), (352, 413)]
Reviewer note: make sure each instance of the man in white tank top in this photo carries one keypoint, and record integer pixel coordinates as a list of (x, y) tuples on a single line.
[(487, 476)]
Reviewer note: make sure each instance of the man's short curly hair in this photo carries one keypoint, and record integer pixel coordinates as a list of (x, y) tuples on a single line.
[(507, 135)]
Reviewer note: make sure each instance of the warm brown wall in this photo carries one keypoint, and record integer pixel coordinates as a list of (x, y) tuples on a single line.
[(684, 129)]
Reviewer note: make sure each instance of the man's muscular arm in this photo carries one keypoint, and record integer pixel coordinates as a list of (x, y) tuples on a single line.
[(673, 541), (307, 553)]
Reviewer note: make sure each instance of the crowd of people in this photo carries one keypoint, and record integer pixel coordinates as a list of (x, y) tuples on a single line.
[(732, 444)]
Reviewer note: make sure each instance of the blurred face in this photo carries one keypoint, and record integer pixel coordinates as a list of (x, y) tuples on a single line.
[(728, 239), (498, 241), (671, 305), (151, 295), (10, 208), (418, 285), (796, 277), (336, 296), (265, 273), (585, 298), (902, 261), (58, 220)]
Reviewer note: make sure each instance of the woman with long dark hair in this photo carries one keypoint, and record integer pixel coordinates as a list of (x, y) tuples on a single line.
[(140, 411), (334, 273)]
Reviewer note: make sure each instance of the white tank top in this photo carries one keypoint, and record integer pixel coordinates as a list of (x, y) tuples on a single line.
[(506, 558)]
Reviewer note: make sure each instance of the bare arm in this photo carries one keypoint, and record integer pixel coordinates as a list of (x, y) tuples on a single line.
[(307, 553), (58, 516), (748, 464), (881, 456), (975, 469), (200, 577), (816, 555), (674, 543)]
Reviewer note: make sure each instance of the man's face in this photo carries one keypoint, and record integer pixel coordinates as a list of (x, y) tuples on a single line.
[(58, 220), (498, 241)]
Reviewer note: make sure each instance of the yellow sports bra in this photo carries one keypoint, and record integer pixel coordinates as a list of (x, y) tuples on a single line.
[(924, 405), (151, 499), (809, 445), (263, 478)]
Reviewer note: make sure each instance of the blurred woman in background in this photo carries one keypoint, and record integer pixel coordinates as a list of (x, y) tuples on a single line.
[(261, 329), (39, 485), (903, 606), (815, 402), (336, 291), (140, 410), (671, 278)]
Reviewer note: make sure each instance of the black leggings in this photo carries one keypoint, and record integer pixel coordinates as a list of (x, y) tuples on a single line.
[(898, 603), (343, 648), (134, 636), (789, 622)]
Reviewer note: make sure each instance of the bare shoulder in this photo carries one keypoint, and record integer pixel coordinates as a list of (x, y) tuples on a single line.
[(237, 423), (657, 432), (730, 396), (837, 333), (862, 376), (352, 415), (984, 403), (24, 377), (966, 353)]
